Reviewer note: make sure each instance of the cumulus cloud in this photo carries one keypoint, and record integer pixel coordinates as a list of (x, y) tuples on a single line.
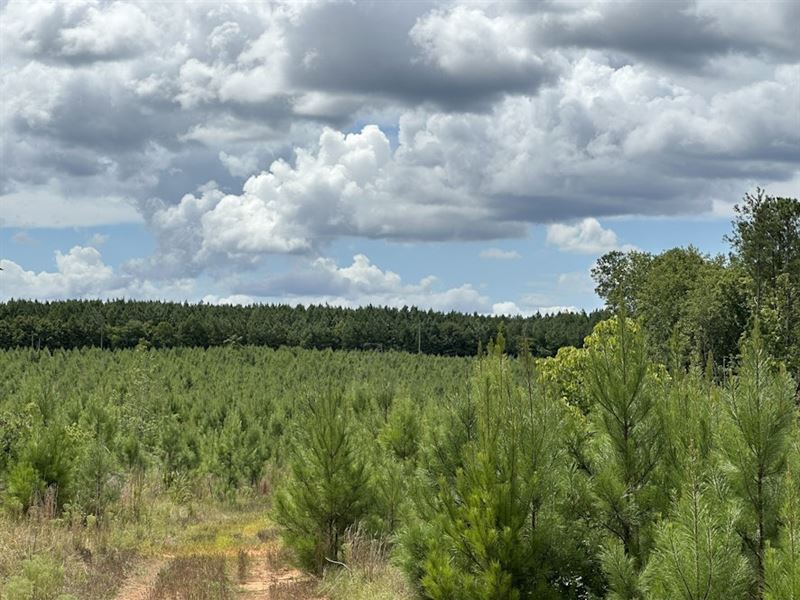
[(507, 112), (605, 141), (507, 309), (585, 237), (348, 185), (392, 120), (82, 273), (498, 254), (77, 32), (362, 282), (409, 45), (467, 42)]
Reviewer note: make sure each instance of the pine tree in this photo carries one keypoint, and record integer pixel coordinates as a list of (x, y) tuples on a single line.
[(487, 528), (755, 440), (782, 567), (697, 551), (630, 443), (328, 487)]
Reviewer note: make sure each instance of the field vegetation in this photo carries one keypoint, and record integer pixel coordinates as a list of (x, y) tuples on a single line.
[(658, 460)]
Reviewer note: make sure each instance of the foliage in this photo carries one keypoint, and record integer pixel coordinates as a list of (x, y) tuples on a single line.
[(328, 489), (767, 238), (755, 440), (700, 305), (41, 579), (630, 440), (697, 550), (782, 567), (128, 324), (493, 528)]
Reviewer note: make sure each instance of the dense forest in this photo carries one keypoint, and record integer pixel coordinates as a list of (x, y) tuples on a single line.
[(126, 324), (659, 459)]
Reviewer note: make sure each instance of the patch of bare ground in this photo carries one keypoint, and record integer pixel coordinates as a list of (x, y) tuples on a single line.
[(269, 577), (261, 573), (139, 584)]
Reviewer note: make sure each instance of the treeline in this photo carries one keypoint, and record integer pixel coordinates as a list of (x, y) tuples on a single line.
[(127, 324), (690, 303)]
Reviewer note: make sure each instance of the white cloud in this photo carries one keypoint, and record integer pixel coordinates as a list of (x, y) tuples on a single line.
[(466, 41), (487, 117), (498, 254), (348, 185), (585, 237), (507, 309), (602, 141), (78, 31), (98, 239), (113, 98), (82, 273), (554, 310), (239, 166), (321, 281)]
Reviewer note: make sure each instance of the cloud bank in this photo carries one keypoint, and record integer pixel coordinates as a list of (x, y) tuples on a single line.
[(237, 132)]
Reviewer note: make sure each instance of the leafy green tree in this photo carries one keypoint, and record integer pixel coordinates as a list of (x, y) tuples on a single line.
[(715, 313), (766, 238), (661, 302), (619, 277)]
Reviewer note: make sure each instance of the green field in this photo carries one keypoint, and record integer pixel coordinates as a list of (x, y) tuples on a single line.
[(221, 472)]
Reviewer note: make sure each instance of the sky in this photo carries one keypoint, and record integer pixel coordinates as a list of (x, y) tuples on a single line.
[(473, 156)]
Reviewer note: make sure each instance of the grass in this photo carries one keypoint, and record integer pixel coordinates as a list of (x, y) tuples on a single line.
[(194, 578), (213, 549), (93, 557), (389, 583), (369, 574)]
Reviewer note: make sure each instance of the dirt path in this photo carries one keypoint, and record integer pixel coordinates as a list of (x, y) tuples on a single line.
[(264, 581), (138, 584)]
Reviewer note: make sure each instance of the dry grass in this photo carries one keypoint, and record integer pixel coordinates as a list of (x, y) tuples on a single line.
[(96, 557), (193, 578), (90, 567), (369, 574), (296, 590), (242, 564)]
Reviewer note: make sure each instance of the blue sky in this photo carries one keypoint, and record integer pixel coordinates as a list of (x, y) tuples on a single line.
[(476, 157)]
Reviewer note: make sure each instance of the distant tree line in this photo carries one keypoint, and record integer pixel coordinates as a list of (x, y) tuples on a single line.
[(126, 324)]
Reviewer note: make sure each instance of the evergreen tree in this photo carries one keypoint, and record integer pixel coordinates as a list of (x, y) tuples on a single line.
[(630, 443), (328, 486), (697, 551), (782, 567), (489, 533), (755, 439)]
